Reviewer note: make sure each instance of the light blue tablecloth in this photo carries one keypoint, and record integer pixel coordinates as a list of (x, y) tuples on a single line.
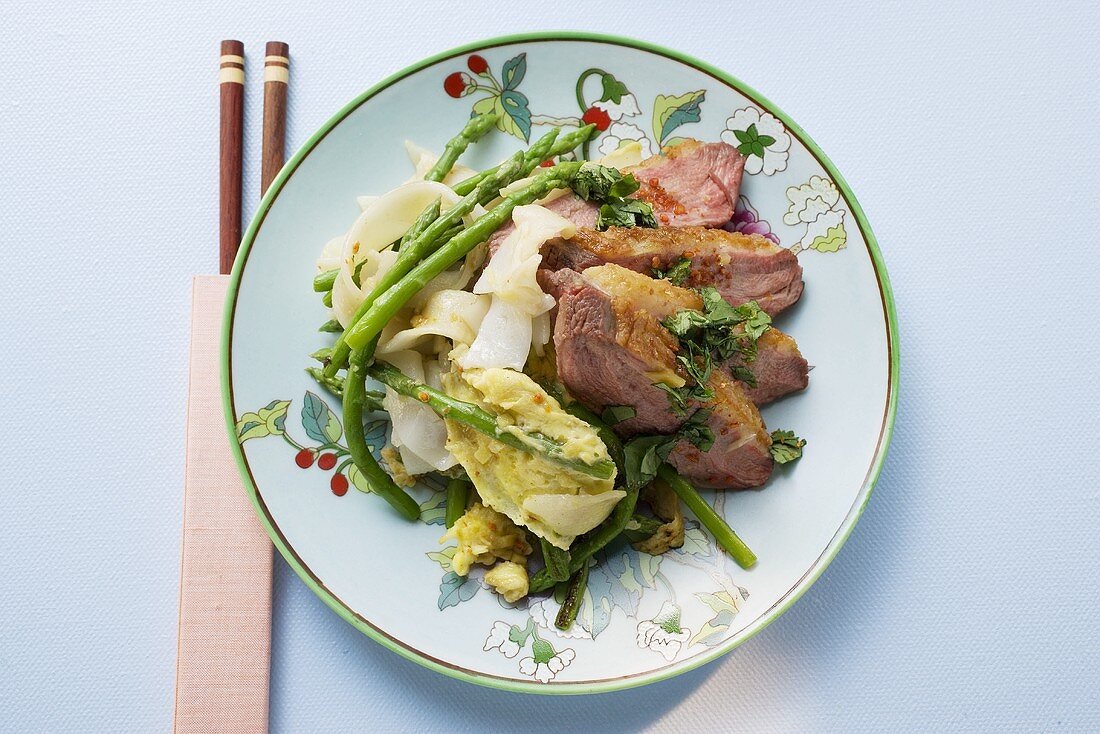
[(966, 598)]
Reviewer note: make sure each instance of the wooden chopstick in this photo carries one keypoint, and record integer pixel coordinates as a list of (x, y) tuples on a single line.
[(231, 84), (276, 79)]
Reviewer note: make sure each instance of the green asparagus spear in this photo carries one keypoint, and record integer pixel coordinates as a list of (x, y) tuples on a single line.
[(458, 495), (372, 399), (327, 299), (334, 384), (456, 146), (608, 436), (388, 303), (710, 519), (323, 281), (574, 595), (418, 248), (331, 327), (556, 560), (429, 215), (536, 155), (483, 421), (354, 401)]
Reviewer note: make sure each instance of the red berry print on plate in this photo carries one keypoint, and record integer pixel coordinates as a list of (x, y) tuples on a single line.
[(326, 461), (339, 485), (459, 84), (477, 64), (304, 458), (596, 116)]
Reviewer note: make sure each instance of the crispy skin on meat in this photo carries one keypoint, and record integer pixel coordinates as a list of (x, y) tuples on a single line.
[(692, 183), (610, 352), (742, 267), (779, 367)]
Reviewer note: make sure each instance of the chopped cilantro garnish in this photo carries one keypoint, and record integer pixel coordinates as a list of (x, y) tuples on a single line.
[(718, 332), (786, 446), (600, 183), (676, 274), (611, 189), (645, 454), (625, 213)]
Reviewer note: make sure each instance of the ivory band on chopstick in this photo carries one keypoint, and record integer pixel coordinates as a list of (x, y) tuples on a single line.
[(276, 74), (277, 63), (231, 69)]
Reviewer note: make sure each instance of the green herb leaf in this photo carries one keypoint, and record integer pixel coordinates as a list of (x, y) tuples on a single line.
[(600, 183), (611, 188), (676, 274), (718, 332), (614, 414), (786, 446), (645, 454), (625, 213), (696, 431)]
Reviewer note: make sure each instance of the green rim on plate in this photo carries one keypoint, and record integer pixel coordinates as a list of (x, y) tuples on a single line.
[(754, 627)]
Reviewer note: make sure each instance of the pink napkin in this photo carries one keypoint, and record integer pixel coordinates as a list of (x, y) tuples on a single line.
[(225, 575)]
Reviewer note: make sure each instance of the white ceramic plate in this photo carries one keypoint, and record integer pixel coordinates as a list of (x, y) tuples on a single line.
[(644, 618)]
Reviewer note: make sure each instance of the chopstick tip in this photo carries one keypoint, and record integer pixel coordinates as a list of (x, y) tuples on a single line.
[(231, 47)]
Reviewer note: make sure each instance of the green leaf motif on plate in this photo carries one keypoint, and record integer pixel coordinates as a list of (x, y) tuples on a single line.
[(433, 510), (513, 71), (513, 115), (613, 89), (358, 480), (318, 420), (443, 557), (725, 607), (518, 121), (752, 142), (375, 434), (455, 589), (595, 612), (695, 542), (670, 112), (834, 240), (269, 420)]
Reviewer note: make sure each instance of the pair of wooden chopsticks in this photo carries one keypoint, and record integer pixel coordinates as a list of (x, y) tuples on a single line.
[(223, 660), (231, 81)]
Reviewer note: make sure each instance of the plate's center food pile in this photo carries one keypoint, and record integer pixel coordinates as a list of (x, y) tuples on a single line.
[(576, 346)]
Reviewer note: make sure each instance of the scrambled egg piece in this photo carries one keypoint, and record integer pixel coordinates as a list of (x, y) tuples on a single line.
[(483, 536), (401, 476), (552, 501), (509, 580)]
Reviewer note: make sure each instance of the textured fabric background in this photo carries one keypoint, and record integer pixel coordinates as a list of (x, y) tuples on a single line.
[(966, 598)]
